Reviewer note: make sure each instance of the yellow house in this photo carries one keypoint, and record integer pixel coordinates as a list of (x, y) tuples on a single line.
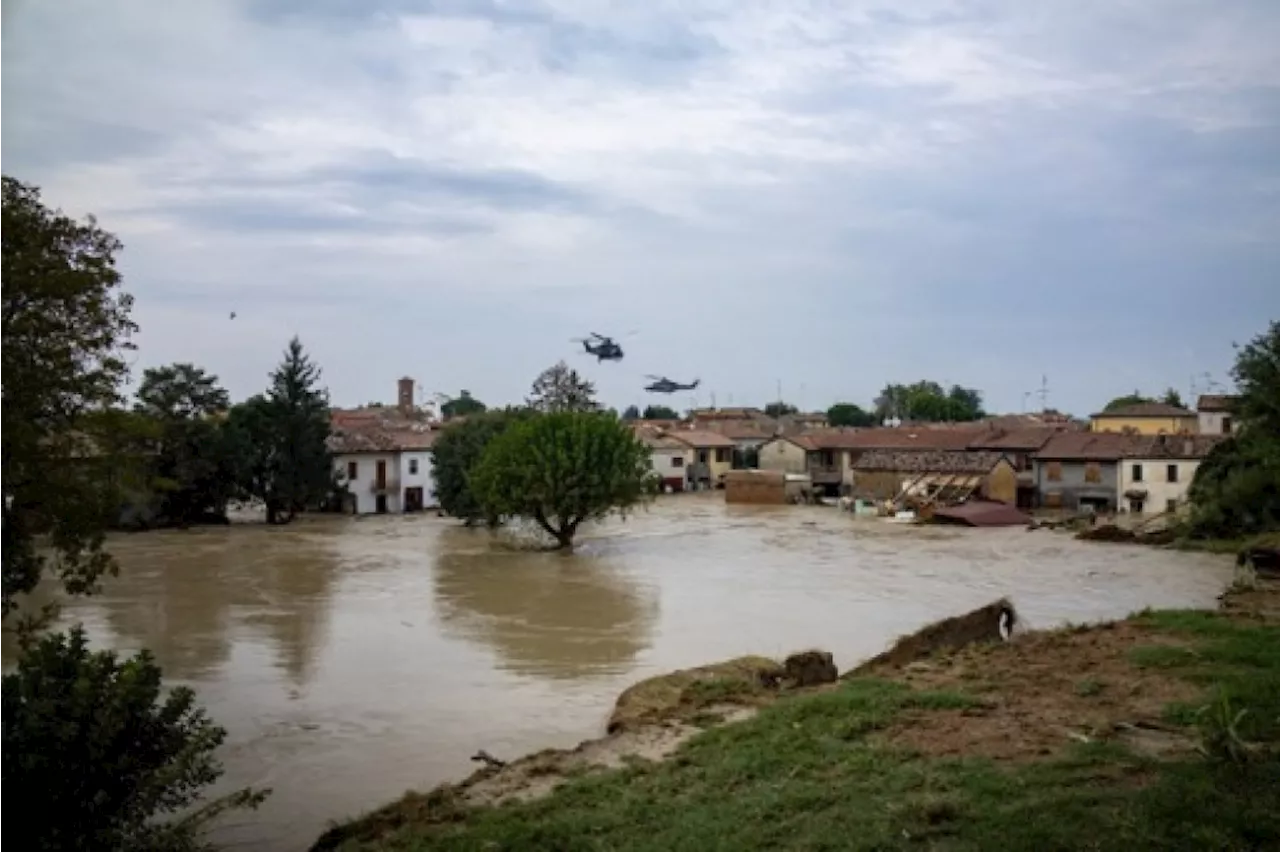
[(712, 455), (786, 454), (1146, 418)]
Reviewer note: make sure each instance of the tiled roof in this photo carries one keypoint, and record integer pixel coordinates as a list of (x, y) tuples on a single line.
[(1172, 446), (942, 461), (377, 439), (739, 430), (1147, 409), (1027, 439), (1216, 402), (1088, 446), (701, 438), (907, 438)]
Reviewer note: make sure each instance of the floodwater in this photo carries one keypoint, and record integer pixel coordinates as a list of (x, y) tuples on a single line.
[(353, 658)]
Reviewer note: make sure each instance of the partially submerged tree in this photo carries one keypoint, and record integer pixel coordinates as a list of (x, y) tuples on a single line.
[(91, 753), (560, 388), (562, 469), (457, 451)]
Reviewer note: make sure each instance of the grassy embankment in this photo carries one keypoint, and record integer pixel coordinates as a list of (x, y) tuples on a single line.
[(1161, 731)]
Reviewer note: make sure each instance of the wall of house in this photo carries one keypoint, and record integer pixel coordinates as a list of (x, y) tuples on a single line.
[(1215, 423), (1001, 484), (366, 501), (424, 478), (1145, 425), (1155, 481), (1075, 483), (714, 466), (671, 464), (759, 487), (877, 485), (782, 455)]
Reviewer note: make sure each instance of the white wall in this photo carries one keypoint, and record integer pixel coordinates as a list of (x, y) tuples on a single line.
[(424, 478), (664, 462), (366, 473), (1155, 479), (1211, 422)]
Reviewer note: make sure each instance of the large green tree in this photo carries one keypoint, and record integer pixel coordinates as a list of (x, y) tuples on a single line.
[(457, 451), (780, 409), (1127, 400), (560, 388), (92, 754), (928, 402), (193, 470), (562, 469), (849, 414), (660, 412)]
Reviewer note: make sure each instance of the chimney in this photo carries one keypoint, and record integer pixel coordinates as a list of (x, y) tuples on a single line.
[(404, 396)]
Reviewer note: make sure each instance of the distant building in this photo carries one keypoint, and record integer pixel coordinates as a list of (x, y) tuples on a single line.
[(1146, 418), (1156, 472), (711, 455), (669, 458), (1216, 414)]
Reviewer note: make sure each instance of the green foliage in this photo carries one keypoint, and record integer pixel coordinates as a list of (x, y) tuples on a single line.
[(928, 402), (660, 412), (463, 405), (457, 451), (780, 409), (66, 322), (631, 412), (1127, 400), (1172, 397), (280, 440), (562, 469), (560, 388), (90, 742), (848, 414), (1234, 492)]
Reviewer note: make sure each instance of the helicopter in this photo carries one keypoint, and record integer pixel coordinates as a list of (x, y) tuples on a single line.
[(661, 384), (604, 348)]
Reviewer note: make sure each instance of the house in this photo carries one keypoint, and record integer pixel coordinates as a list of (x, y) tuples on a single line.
[(943, 475), (1081, 469), (1146, 418), (748, 437), (669, 458), (711, 456), (385, 470), (1156, 472), (1020, 446), (1215, 414), (786, 454)]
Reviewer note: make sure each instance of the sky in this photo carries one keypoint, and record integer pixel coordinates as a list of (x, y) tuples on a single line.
[(817, 197)]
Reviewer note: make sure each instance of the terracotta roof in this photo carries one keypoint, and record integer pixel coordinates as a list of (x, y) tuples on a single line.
[(739, 430), (1172, 446), (1147, 409), (1028, 438), (1088, 446), (660, 442), (377, 439), (747, 413), (941, 461), (1216, 402), (907, 438), (701, 438)]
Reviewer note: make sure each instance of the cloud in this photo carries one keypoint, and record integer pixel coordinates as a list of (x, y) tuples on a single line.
[(832, 194)]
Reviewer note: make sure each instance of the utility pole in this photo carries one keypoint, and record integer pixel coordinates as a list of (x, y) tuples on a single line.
[(1043, 393)]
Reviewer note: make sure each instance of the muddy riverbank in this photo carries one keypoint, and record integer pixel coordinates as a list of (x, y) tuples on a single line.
[(353, 659)]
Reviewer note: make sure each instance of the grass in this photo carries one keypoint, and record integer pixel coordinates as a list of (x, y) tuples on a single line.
[(810, 772)]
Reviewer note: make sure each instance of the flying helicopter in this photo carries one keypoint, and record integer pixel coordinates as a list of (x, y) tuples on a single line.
[(604, 348), (661, 384)]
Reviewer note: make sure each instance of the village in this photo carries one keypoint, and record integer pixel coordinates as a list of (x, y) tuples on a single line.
[(1133, 461)]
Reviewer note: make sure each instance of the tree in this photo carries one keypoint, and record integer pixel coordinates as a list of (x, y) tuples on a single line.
[(563, 469), (87, 753), (631, 412), (457, 451), (463, 405), (1257, 378), (848, 414), (1127, 400), (191, 468), (660, 412), (560, 388), (780, 409), (1172, 397), (926, 402)]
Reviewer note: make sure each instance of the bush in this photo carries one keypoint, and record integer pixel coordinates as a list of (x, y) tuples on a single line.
[(90, 742), (458, 450)]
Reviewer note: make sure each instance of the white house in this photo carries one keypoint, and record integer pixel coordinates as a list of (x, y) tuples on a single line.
[(1157, 471), (1214, 414), (384, 470), (669, 458)]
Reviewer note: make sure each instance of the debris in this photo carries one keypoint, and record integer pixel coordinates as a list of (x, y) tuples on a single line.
[(992, 623), (810, 668), (487, 759)]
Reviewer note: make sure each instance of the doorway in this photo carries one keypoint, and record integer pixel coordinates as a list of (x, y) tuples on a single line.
[(413, 499), (380, 504)]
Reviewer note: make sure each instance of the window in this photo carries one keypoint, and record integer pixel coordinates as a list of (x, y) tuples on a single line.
[(1171, 505), (1092, 472), (1171, 473), (1053, 471), (413, 467), (352, 469), (1137, 473), (1135, 506), (1226, 425), (703, 455), (677, 461), (723, 454)]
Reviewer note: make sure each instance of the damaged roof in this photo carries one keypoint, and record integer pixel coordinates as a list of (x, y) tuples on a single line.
[(377, 439), (939, 461)]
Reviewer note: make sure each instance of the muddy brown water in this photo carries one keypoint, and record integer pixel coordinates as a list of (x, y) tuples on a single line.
[(353, 658)]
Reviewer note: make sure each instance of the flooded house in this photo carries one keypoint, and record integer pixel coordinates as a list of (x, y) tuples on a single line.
[(1020, 445), (786, 454), (935, 476), (1075, 470), (669, 458), (711, 456), (1156, 472)]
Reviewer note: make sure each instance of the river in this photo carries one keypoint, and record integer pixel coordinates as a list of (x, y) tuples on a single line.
[(353, 658)]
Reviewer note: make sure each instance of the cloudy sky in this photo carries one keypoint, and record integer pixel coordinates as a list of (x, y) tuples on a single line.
[(827, 195)]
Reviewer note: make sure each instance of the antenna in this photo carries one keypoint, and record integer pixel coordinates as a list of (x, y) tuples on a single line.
[(1043, 393)]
